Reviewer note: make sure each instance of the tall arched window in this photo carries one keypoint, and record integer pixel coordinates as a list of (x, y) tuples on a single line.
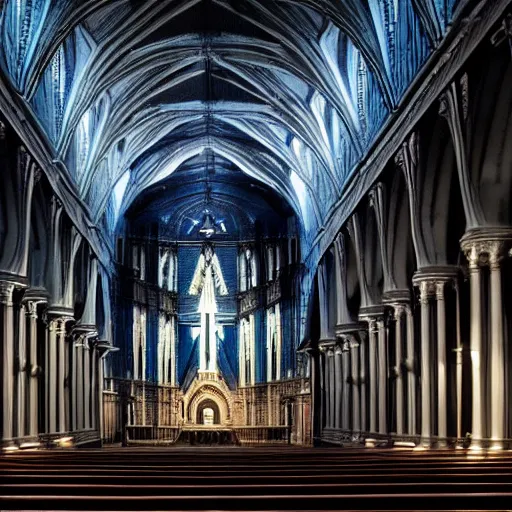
[(274, 343)]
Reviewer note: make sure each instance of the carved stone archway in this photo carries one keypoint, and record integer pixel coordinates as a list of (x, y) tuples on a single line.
[(211, 394)]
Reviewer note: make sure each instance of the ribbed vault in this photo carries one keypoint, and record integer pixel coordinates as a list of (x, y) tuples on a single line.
[(290, 92)]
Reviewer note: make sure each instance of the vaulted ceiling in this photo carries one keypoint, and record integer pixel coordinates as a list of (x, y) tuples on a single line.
[(290, 92)]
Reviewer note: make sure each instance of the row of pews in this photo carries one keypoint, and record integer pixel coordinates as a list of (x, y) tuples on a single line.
[(262, 478)]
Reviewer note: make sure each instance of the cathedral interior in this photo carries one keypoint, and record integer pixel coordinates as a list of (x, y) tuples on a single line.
[(255, 223)]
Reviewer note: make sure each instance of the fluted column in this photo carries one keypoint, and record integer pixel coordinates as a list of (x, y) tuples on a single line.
[(6, 305)]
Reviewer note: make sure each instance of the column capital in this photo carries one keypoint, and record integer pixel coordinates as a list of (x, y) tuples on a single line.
[(432, 280), (486, 246), (394, 297), (342, 329), (31, 308), (6, 291), (372, 313)]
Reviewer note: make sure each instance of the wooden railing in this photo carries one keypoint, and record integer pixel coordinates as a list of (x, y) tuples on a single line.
[(263, 435)]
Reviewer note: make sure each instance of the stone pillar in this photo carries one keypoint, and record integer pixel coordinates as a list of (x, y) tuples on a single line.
[(442, 386), (383, 375), (7, 325), (372, 342), (411, 374), (487, 246), (399, 390), (475, 281), (332, 387), (377, 342), (497, 349), (61, 380), (432, 283), (425, 294), (33, 367), (87, 384), (94, 387), (363, 336), (79, 390), (51, 376), (346, 424), (356, 398), (321, 371), (339, 387), (21, 370)]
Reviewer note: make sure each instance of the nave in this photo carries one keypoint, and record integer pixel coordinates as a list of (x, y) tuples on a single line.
[(267, 478)]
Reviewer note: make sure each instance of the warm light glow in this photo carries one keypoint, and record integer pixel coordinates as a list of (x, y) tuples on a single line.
[(404, 444), (34, 444)]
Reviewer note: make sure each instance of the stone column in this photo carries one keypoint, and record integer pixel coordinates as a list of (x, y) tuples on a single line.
[(363, 336), (321, 370), (425, 294), (51, 375), (372, 342), (475, 280), (87, 385), (346, 424), (21, 370), (356, 398), (411, 373), (62, 382), (399, 399), (383, 375), (442, 386), (33, 367), (339, 387), (332, 385), (487, 246), (6, 306), (94, 387), (79, 391), (497, 348)]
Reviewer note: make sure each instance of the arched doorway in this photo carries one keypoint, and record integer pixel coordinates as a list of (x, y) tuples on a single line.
[(208, 413)]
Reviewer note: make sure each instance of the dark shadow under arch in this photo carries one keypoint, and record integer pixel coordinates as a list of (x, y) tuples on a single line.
[(208, 403)]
